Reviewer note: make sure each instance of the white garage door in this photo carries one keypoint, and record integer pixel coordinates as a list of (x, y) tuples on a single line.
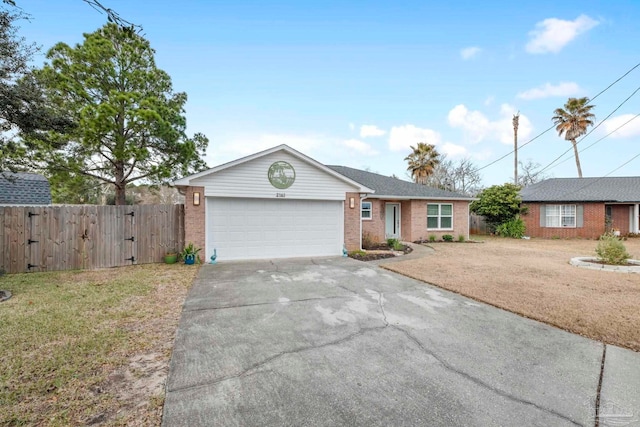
[(267, 228)]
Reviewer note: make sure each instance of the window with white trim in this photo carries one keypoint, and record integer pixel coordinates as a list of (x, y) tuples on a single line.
[(439, 216), (560, 216), (365, 211)]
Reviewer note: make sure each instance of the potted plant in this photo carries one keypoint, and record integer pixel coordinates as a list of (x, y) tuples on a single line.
[(189, 254), (171, 257)]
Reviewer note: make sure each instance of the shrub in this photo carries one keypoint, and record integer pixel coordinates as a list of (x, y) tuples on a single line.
[(394, 244), (461, 238), (611, 250), (512, 228), (447, 238), (432, 237)]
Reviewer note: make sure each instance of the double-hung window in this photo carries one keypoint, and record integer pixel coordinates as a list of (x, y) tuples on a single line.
[(560, 216), (439, 216), (365, 211)]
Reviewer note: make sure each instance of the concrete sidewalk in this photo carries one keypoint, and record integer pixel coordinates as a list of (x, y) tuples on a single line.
[(340, 342)]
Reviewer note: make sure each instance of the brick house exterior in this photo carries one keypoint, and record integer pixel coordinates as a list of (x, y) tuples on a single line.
[(412, 201), (582, 207), (280, 203)]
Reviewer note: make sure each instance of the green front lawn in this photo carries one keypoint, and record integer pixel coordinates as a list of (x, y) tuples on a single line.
[(65, 334)]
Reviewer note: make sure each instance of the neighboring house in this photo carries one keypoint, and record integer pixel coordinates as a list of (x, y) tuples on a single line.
[(24, 189), (582, 207), (280, 203)]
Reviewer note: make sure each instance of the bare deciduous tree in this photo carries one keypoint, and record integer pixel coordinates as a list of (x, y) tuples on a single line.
[(530, 173), (460, 177)]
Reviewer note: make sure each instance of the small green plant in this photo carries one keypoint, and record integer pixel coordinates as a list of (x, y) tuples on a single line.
[(190, 254), (447, 238), (432, 237), (394, 244), (513, 228), (461, 238), (611, 250), (359, 252)]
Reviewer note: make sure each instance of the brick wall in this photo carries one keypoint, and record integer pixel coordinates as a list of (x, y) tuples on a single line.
[(352, 222), (419, 220), (593, 223), (406, 231), (374, 228), (194, 220), (413, 225)]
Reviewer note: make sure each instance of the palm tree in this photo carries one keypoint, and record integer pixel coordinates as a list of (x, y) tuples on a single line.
[(573, 121), (422, 162)]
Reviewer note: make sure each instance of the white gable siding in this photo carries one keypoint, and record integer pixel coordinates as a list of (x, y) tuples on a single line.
[(250, 180)]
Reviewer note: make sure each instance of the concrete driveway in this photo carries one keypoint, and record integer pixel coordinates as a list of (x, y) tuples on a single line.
[(334, 341)]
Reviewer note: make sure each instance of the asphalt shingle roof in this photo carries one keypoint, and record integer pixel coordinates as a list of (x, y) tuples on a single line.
[(607, 189), (393, 187), (24, 189)]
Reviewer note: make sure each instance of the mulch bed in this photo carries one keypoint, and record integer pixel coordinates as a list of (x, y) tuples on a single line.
[(382, 251)]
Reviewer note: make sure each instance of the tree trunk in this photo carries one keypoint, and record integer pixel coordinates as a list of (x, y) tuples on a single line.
[(120, 185), (575, 152)]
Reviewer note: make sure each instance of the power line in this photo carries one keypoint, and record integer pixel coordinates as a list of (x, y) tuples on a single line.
[(547, 130), (604, 137), (590, 132), (512, 151), (602, 177)]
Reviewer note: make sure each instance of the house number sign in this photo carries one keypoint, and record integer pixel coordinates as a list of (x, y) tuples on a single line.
[(281, 175)]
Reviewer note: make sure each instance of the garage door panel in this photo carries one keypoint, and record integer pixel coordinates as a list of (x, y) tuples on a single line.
[(259, 228)]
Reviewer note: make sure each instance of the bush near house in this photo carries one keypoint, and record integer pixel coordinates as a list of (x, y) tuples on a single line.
[(611, 250), (513, 228)]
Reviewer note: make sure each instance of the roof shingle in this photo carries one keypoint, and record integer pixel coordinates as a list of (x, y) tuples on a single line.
[(24, 189), (387, 187), (606, 189)]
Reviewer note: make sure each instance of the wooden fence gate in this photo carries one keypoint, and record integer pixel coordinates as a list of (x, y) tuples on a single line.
[(46, 238), (478, 225)]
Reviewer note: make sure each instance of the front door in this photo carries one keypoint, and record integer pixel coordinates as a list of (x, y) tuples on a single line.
[(392, 220)]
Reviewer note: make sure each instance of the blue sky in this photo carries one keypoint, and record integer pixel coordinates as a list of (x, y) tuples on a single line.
[(357, 83)]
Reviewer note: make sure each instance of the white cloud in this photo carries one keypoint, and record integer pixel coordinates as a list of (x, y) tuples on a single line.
[(402, 137), (360, 147), (370, 130), (478, 127), (547, 90), (452, 150), (470, 52), (490, 100), (352, 126), (552, 34), (631, 129)]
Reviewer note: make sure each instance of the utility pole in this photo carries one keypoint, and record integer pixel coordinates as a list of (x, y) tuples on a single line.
[(516, 119)]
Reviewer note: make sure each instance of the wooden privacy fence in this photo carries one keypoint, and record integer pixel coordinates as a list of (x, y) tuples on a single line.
[(478, 224), (45, 238)]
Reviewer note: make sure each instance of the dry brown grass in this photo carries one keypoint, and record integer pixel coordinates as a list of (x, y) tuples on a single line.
[(534, 278), (89, 347)]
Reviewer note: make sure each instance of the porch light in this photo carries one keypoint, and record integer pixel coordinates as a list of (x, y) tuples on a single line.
[(352, 202), (196, 198)]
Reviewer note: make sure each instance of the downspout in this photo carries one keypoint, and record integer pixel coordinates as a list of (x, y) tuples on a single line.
[(636, 217), (362, 197)]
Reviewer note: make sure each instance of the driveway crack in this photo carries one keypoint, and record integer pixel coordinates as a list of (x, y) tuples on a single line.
[(482, 383), (599, 390), (381, 304), (253, 368)]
